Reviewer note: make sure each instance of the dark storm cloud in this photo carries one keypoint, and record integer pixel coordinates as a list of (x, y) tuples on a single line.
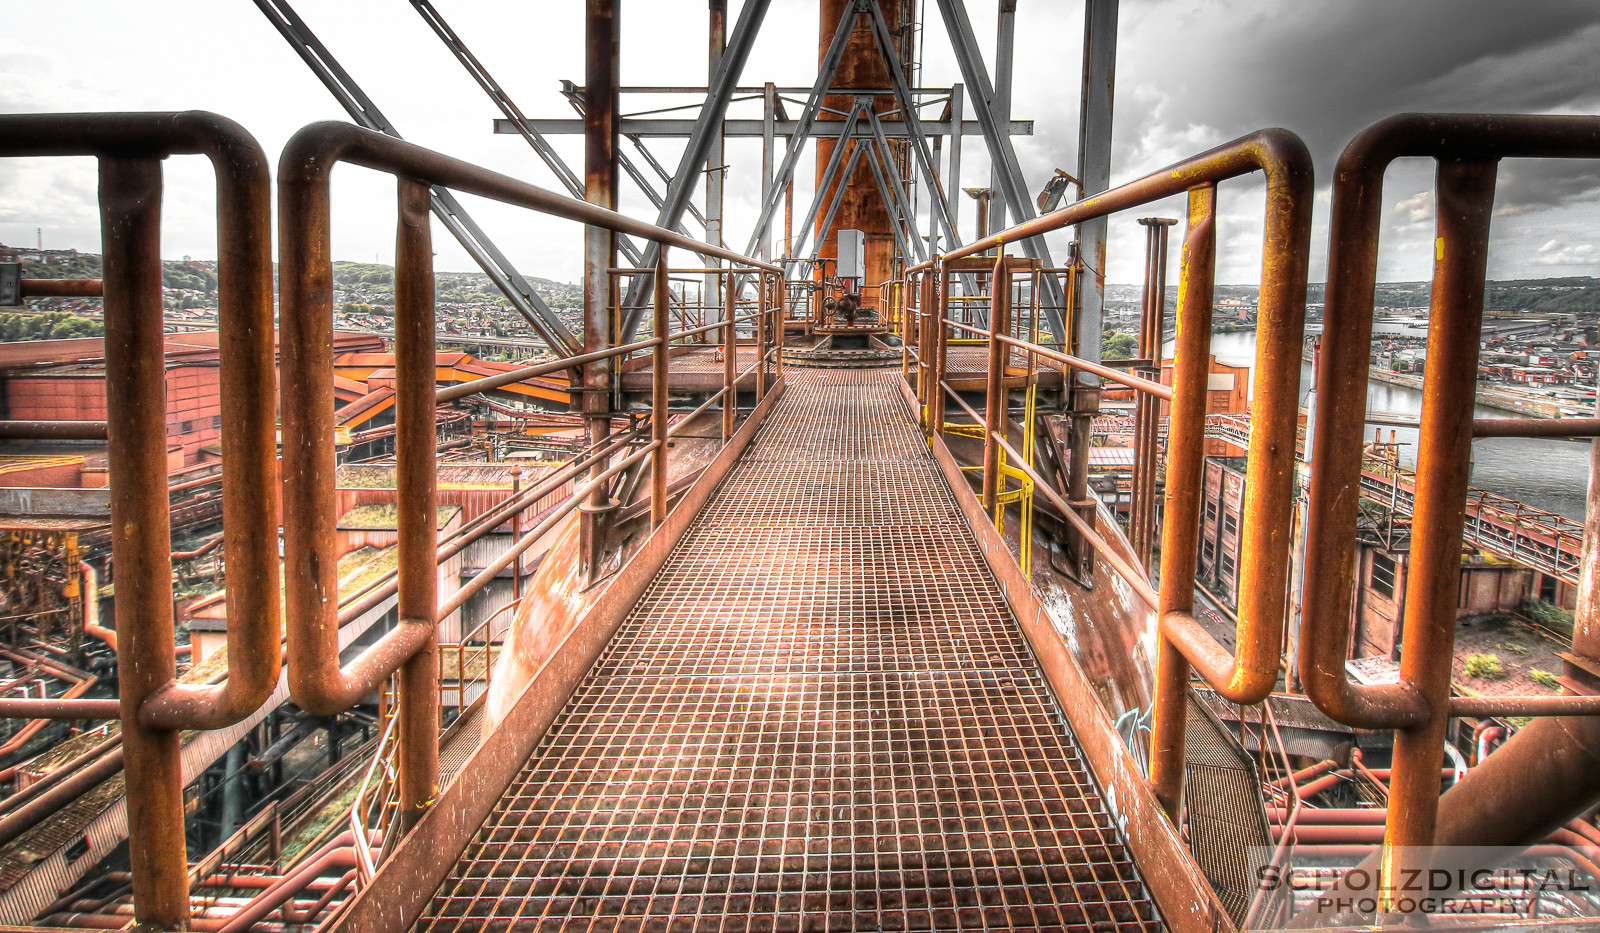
[(1325, 70)]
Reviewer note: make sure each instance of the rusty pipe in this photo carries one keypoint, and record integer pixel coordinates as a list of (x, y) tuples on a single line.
[(995, 394), (61, 288), (1342, 377), (246, 354), (417, 519), (53, 430)]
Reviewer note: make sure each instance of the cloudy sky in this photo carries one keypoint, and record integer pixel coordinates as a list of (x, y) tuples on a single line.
[(1191, 74)]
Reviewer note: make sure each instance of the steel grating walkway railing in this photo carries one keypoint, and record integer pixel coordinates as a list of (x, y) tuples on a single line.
[(821, 716)]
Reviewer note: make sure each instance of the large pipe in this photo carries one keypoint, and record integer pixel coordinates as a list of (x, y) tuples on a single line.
[(130, 198)]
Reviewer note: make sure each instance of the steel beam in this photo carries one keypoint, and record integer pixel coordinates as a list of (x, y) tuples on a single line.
[(825, 182), (753, 129), (694, 154), (716, 162), (1001, 153), (1094, 173), (952, 188), (1004, 49), (769, 119), (602, 38), (908, 111), (444, 205), (892, 196), (576, 99), (804, 128), (894, 191), (856, 149)]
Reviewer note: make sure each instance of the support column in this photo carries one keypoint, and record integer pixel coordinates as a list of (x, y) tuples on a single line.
[(1004, 44), (1465, 199), (416, 442), (952, 184), (1094, 173), (600, 125), (141, 536), (716, 158), (769, 117), (1180, 533), (1147, 408)]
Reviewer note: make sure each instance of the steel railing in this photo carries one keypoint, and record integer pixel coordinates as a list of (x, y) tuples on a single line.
[(153, 705), (317, 680), (1419, 706), (1248, 674)]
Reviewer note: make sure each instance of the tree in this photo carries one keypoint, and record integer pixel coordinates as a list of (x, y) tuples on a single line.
[(1116, 346)]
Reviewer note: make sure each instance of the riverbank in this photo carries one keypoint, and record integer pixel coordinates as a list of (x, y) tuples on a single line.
[(1506, 400)]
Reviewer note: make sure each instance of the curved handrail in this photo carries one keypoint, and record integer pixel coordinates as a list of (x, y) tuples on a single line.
[(247, 396), (316, 679), (1356, 217)]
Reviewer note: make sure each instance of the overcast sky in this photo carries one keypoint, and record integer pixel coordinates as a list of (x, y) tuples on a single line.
[(1191, 74)]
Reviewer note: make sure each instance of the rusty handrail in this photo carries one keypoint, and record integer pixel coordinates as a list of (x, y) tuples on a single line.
[(317, 681), (1247, 674), (1466, 149), (130, 148), (1341, 398), (246, 351)]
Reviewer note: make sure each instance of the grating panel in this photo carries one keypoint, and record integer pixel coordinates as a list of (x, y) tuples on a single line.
[(820, 716)]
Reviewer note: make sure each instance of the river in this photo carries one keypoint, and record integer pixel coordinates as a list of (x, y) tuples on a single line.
[(1546, 474)]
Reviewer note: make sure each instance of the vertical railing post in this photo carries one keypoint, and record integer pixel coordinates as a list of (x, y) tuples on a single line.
[(416, 443), (939, 346), (995, 391), (658, 396), (730, 356), (761, 336), (776, 283), (600, 124), (1465, 199), (1147, 408), (1180, 532), (516, 531), (141, 536), (925, 344)]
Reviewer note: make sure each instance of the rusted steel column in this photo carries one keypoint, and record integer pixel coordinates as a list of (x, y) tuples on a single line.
[(416, 438), (1465, 199), (926, 385), (1147, 410), (730, 356), (658, 395), (939, 344), (516, 533), (995, 390), (600, 125), (1180, 532), (141, 536), (1586, 630), (762, 322), (775, 282)]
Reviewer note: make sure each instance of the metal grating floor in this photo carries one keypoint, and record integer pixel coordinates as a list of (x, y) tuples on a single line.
[(820, 716)]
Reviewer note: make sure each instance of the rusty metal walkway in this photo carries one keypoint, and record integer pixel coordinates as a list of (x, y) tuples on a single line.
[(821, 716)]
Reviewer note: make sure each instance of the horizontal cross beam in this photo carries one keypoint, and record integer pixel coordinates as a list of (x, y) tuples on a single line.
[(894, 129)]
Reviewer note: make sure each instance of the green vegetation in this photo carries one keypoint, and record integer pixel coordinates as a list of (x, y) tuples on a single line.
[(1544, 678), (1115, 346), (1547, 614), (50, 325), (1484, 667)]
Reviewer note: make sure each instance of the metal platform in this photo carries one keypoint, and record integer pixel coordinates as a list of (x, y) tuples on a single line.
[(821, 716)]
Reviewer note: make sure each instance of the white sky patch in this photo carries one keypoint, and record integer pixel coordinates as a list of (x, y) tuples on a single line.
[(1262, 68)]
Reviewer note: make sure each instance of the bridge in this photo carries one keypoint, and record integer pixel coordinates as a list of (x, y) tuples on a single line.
[(821, 638)]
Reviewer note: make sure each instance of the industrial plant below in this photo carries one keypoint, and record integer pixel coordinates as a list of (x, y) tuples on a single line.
[(880, 566)]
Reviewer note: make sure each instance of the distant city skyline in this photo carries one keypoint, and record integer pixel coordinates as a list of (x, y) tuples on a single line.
[(1324, 71)]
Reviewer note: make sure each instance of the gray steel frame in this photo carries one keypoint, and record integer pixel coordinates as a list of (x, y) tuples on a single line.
[(444, 205)]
